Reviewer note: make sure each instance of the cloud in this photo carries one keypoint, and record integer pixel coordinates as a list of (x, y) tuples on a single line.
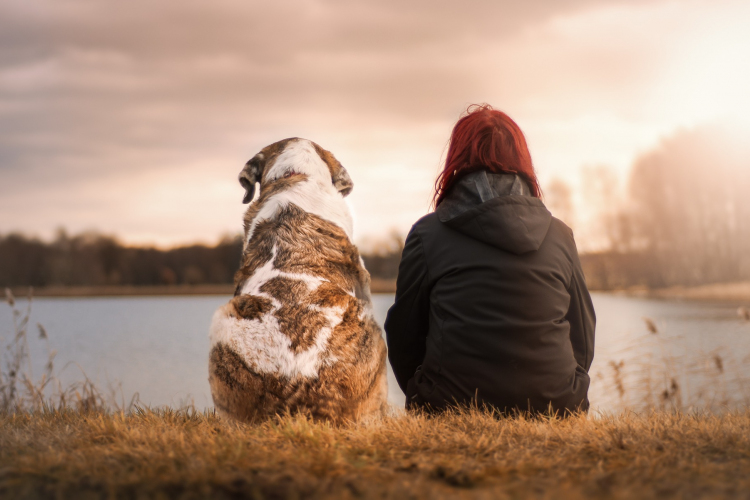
[(135, 117)]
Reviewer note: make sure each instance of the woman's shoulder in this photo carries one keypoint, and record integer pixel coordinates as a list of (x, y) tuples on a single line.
[(425, 222), (561, 230), (428, 227)]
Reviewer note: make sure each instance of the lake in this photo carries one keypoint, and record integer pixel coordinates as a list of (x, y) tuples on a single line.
[(158, 347)]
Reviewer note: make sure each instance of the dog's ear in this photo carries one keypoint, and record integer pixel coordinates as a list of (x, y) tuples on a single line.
[(341, 181), (339, 176), (251, 174)]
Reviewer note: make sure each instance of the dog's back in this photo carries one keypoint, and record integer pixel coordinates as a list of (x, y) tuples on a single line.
[(299, 335)]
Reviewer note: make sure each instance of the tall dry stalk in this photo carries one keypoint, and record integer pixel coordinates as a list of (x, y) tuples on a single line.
[(20, 391), (714, 381), (16, 370)]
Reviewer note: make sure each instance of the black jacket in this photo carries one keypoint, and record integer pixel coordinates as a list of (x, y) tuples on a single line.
[(491, 304)]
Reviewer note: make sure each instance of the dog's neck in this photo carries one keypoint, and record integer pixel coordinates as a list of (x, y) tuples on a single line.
[(315, 196)]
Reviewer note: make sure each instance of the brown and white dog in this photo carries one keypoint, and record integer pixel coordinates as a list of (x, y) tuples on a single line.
[(299, 334)]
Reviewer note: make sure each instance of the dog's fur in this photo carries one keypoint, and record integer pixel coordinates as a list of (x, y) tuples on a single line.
[(299, 334)]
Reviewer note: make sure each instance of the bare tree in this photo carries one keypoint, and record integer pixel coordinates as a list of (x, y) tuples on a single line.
[(691, 209), (610, 217), (558, 197)]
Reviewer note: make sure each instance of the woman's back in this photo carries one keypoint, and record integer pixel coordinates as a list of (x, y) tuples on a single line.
[(491, 303)]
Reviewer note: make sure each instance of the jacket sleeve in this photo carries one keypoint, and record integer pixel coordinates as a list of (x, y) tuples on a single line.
[(581, 317), (407, 323)]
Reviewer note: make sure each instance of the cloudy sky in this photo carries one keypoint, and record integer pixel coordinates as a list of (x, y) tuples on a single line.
[(134, 118)]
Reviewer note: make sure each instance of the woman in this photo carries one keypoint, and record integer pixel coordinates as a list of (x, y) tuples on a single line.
[(491, 303)]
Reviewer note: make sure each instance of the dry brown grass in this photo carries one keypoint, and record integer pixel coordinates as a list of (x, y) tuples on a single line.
[(60, 442), (467, 454)]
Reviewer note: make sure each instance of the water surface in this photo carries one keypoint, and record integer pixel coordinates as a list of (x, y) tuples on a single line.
[(158, 347)]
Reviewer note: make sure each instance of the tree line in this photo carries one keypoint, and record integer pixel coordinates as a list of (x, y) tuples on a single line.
[(92, 259), (95, 259), (684, 218)]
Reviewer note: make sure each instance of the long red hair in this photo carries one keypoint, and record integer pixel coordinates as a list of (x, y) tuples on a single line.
[(485, 138)]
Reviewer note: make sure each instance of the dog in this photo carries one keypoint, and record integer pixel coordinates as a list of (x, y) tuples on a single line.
[(299, 334)]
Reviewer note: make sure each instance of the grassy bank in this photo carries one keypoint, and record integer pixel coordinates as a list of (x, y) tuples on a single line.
[(463, 455), (720, 292), (738, 292), (125, 290), (378, 286)]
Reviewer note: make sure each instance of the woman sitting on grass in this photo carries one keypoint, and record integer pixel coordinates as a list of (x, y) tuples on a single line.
[(491, 303)]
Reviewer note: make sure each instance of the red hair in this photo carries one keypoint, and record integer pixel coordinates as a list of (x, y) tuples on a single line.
[(485, 138)]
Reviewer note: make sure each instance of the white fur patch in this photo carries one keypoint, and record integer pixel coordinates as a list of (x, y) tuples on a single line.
[(263, 346), (315, 195), (268, 271), (260, 342), (301, 157)]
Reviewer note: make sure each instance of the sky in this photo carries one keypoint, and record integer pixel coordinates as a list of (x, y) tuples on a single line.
[(134, 118)]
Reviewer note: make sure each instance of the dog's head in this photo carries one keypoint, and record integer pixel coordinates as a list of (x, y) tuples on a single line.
[(289, 157)]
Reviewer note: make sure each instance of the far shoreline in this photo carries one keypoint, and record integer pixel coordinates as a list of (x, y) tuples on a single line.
[(735, 292), (376, 286), (738, 292)]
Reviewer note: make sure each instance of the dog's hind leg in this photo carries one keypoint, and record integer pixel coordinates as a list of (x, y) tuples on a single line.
[(237, 391)]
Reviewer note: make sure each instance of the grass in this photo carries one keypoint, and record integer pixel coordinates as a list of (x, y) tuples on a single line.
[(73, 442), (463, 454)]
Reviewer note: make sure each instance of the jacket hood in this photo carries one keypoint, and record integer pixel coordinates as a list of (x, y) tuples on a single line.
[(497, 209)]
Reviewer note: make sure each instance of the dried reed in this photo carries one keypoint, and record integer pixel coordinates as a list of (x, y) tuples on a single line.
[(20, 391)]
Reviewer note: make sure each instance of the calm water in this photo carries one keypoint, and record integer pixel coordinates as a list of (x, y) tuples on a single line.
[(158, 347)]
